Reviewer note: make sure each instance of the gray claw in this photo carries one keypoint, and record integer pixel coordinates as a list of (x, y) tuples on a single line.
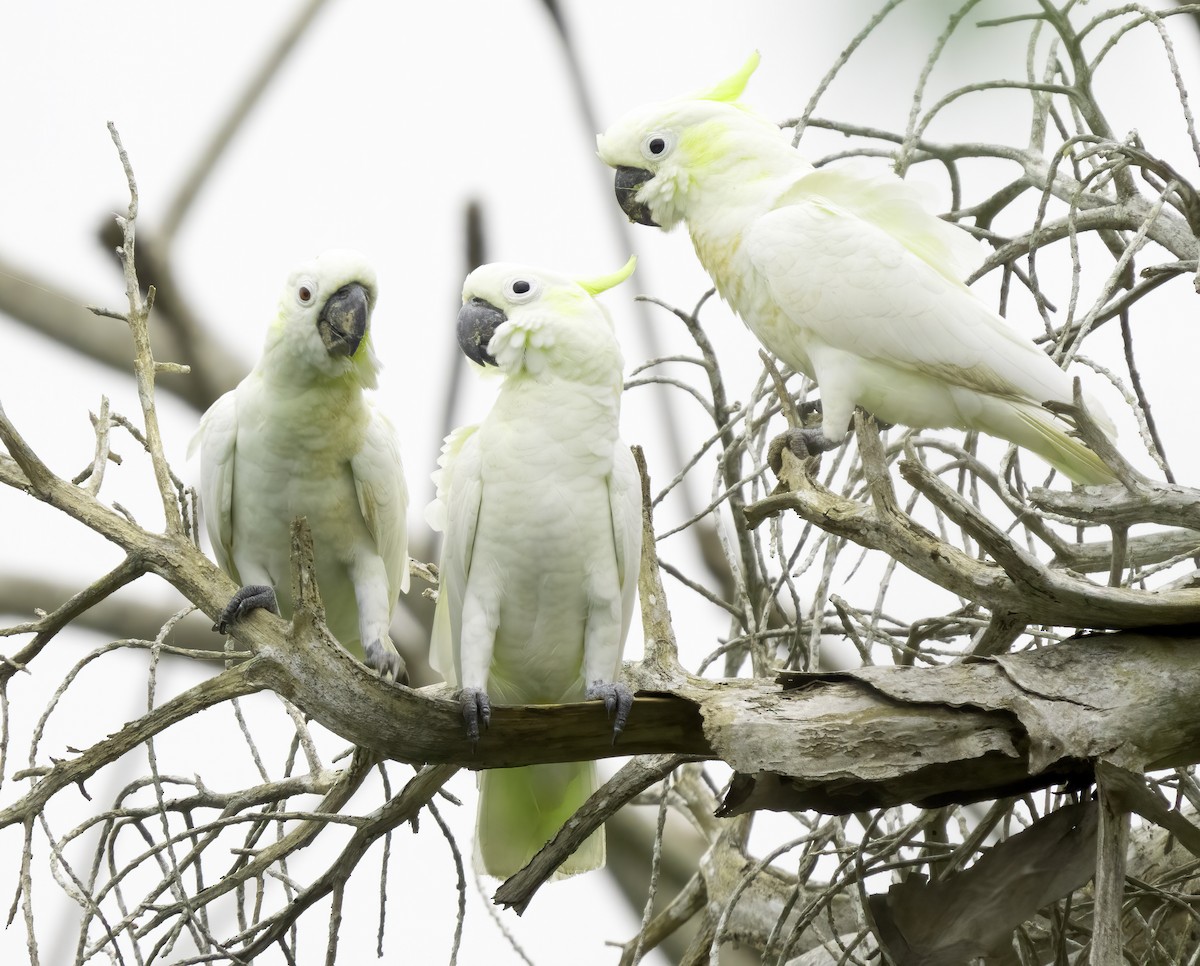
[(617, 698), (475, 708), (383, 657), (248, 598), (804, 443)]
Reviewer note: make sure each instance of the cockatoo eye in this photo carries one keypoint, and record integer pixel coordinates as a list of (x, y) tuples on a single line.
[(306, 291), (520, 290), (657, 145)]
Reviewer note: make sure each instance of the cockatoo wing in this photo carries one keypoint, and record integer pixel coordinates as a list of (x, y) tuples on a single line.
[(858, 289), (901, 208), (625, 502), (383, 499), (455, 511), (216, 440)]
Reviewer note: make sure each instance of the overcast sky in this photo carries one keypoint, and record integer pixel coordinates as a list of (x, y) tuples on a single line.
[(386, 120)]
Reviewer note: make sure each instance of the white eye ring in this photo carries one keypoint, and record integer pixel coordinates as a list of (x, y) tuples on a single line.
[(657, 145), (521, 289), (306, 291)]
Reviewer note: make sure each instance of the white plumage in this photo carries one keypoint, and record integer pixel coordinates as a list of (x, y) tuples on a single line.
[(844, 274), (299, 437), (541, 508)]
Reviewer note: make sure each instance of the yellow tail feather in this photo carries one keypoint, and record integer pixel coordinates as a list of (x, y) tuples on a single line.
[(1063, 452), (520, 810)]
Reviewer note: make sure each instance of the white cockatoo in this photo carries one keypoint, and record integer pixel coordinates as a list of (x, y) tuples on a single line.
[(540, 505), (299, 437), (843, 274)]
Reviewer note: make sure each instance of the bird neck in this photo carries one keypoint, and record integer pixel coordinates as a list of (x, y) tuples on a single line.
[(724, 206), (545, 419), (305, 364), (526, 393)]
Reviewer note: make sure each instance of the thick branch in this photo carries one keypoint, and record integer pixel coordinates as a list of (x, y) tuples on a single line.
[(882, 736), (878, 737), (633, 779), (1166, 504), (1142, 550), (1023, 585)]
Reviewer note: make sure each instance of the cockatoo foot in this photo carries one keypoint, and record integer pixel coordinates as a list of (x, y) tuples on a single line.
[(811, 408), (383, 657), (475, 708), (618, 702), (248, 598), (804, 443)]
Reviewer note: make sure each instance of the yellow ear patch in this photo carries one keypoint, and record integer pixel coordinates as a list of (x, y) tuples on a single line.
[(594, 286), (730, 89)]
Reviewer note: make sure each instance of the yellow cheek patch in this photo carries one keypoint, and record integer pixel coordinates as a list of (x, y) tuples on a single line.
[(556, 301), (703, 144)]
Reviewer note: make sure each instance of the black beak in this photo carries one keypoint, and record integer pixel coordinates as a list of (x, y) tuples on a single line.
[(477, 323), (627, 183), (343, 320)]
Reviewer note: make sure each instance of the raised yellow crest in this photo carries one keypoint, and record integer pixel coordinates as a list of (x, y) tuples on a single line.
[(594, 286), (730, 89)]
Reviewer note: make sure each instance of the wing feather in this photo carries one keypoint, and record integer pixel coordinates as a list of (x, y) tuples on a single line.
[(455, 511), (625, 502), (853, 286), (216, 441), (383, 499), (898, 207)]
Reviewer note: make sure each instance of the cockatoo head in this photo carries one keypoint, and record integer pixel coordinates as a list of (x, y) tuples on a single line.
[(663, 151), (523, 319), (325, 314)]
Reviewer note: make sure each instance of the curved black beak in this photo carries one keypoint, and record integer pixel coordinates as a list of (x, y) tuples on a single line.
[(477, 323), (627, 183), (343, 319)]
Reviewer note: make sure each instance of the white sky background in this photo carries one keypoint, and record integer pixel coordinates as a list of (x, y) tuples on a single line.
[(385, 121)]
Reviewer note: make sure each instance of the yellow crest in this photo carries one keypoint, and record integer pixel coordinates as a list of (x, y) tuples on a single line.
[(594, 286), (730, 89)]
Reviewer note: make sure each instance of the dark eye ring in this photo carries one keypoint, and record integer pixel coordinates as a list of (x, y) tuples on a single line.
[(520, 286)]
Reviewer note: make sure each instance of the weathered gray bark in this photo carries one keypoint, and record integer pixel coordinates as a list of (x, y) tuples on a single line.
[(838, 742)]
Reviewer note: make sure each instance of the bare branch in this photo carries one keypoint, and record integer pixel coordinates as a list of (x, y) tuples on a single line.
[(1020, 584), (205, 161), (143, 361), (403, 808), (518, 890)]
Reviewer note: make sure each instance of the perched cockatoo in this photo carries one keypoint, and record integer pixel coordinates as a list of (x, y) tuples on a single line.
[(540, 505), (843, 274), (299, 437)]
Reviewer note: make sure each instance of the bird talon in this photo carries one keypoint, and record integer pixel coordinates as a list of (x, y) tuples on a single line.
[(382, 656), (618, 702), (804, 443), (248, 598), (475, 708)]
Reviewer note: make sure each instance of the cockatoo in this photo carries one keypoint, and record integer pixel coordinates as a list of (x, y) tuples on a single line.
[(843, 274), (299, 437), (540, 505)]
